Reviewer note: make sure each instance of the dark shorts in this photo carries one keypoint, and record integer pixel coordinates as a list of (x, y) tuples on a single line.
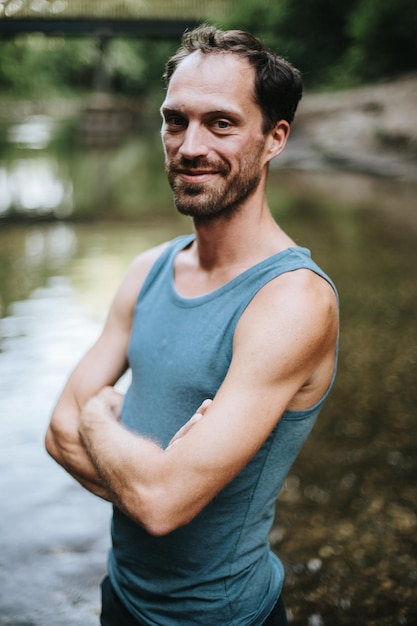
[(114, 613)]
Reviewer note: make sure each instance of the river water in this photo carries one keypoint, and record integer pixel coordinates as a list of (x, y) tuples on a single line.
[(346, 523)]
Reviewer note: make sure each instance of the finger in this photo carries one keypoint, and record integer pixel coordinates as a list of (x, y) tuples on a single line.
[(204, 406), (191, 422), (184, 430)]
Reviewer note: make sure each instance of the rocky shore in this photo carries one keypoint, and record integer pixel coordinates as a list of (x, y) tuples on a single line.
[(372, 130)]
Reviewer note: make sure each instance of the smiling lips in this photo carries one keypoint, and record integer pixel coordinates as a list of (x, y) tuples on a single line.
[(195, 176), (198, 170)]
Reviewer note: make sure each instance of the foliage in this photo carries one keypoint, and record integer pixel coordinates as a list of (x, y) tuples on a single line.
[(32, 65), (384, 40), (337, 43), (312, 34), (136, 67)]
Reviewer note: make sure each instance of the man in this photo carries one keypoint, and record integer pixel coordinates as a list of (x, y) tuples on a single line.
[(236, 318)]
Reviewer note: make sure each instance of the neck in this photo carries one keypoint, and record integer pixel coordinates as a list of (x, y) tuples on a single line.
[(242, 240), (224, 248)]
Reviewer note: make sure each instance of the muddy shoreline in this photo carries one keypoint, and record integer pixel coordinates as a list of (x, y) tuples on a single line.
[(371, 130)]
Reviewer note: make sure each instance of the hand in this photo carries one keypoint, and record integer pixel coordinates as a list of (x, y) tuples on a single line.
[(191, 422), (106, 403)]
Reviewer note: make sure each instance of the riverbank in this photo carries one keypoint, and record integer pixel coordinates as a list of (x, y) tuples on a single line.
[(371, 129)]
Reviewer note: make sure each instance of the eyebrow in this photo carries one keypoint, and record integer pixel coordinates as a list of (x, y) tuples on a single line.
[(228, 113), (166, 110)]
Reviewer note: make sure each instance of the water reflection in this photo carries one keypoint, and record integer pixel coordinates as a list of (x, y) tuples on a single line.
[(35, 186), (39, 559), (93, 257), (5, 191), (35, 132), (49, 171), (33, 181), (58, 242)]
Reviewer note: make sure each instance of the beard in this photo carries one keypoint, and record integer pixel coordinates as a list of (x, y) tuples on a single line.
[(220, 197)]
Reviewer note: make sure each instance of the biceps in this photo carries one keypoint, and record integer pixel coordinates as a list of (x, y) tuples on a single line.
[(102, 366), (232, 430)]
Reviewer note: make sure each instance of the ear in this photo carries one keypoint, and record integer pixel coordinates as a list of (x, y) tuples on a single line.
[(276, 139)]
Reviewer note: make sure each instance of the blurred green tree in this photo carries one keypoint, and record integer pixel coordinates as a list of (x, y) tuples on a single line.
[(32, 65), (311, 34), (337, 43), (136, 66), (384, 39), (35, 65)]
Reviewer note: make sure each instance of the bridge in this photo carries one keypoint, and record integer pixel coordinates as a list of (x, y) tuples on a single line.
[(107, 18)]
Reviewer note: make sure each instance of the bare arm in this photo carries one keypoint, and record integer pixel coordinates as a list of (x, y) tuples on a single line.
[(103, 365), (283, 357)]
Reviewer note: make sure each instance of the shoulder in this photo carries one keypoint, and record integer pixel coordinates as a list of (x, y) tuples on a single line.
[(131, 284), (294, 316), (301, 293), (141, 264)]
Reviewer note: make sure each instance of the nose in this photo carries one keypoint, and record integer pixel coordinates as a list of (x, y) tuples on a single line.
[(194, 142)]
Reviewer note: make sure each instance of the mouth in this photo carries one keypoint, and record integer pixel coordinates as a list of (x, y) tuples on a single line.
[(195, 175)]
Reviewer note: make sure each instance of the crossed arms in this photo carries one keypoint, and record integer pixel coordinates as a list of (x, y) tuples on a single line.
[(283, 357)]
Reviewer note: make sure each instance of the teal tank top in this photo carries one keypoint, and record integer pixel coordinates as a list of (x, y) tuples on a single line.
[(218, 569)]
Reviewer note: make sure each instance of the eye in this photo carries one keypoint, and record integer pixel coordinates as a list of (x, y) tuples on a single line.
[(222, 125), (175, 122)]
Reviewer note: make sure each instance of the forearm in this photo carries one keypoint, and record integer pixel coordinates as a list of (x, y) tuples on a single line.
[(126, 464), (142, 479)]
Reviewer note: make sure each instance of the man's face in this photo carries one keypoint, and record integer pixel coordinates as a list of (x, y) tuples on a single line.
[(212, 135)]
